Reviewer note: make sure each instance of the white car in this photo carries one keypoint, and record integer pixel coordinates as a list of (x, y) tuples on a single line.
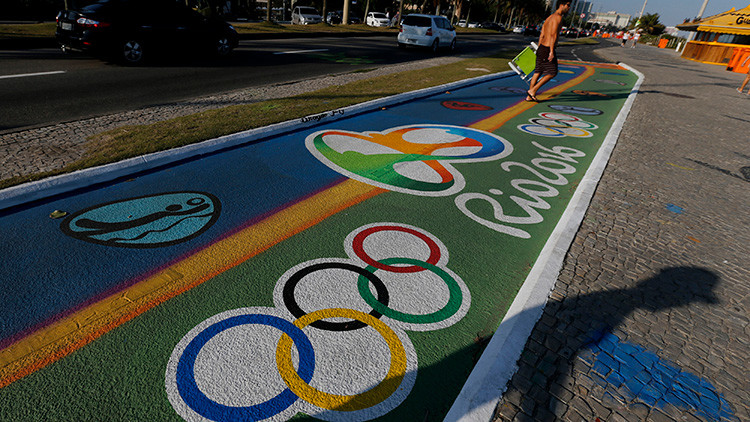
[(303, 15), (377, 19), (427, 31), (518, 29)]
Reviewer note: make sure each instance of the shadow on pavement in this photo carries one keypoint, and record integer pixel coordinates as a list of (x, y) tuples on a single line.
[(579, 327)]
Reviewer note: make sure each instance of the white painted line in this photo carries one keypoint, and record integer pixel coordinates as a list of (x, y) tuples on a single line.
[(25, 75), (489, 379), (301, 51)]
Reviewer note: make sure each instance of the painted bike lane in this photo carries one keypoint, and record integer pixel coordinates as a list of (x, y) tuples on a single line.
[(353, 220)]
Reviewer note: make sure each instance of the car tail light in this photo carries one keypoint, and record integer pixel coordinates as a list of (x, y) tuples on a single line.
[(429, 32), (87, 23)]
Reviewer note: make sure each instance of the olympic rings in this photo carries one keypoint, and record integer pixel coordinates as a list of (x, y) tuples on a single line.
[(294, 308), (377, 394), (358, 246), (209, 357), (584, 111), (558, 125), (197, 400), (453, 305)]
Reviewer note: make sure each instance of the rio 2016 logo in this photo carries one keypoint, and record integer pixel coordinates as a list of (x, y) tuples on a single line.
[(413, 159)]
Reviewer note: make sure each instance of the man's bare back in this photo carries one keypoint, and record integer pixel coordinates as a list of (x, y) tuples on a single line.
[(550, 30)]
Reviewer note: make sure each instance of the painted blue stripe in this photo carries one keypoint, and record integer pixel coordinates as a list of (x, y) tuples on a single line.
[(46, 273)]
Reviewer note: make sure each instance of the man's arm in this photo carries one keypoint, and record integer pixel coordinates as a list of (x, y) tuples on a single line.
[(555, 31)]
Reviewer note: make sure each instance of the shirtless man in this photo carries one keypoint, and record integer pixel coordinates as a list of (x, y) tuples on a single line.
[(546, 61)]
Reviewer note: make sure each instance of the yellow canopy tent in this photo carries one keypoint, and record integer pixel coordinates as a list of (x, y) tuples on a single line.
[(719, 36), (731, 22)]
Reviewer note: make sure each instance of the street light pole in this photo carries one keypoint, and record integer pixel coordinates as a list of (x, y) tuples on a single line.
[(703, 9), (643, 9)]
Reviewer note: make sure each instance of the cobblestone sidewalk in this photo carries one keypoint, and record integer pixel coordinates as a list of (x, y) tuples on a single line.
[(649, 317)]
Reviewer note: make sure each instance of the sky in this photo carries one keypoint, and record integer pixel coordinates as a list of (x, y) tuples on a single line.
[(671, 12)]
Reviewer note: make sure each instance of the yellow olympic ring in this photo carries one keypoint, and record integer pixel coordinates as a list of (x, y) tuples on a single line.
[(334, 401)]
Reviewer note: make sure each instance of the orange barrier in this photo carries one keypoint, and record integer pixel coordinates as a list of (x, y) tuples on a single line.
[(663, 43), (738, 58)]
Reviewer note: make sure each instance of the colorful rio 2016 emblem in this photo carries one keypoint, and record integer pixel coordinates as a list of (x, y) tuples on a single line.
[(145, 222), (335, 346), (413, 159)]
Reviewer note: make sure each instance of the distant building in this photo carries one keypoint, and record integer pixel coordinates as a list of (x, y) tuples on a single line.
[(619, 20), (583, 7)]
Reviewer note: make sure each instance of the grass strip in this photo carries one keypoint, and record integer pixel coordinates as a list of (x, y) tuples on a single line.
[(132, 141), (32, 30)]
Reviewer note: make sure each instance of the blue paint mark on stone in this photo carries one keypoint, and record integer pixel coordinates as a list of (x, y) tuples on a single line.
[(640, 375), (675, 209)]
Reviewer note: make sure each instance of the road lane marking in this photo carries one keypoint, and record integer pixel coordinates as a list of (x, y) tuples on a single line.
[(301, 51), (25, 75)]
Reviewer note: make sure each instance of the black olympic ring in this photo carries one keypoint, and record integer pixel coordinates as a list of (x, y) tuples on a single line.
[(540, 122), (293, 307)]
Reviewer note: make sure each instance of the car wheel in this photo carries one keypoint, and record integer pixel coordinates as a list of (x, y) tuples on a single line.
[(131, 52), (223, 46), (401, 45), (453, 45), (435, 46)]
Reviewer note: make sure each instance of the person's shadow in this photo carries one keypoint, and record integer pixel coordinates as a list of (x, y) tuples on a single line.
[(579, 333)]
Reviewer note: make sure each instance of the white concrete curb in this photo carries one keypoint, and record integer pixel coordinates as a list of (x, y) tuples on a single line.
[(488, 380), (32, 191)]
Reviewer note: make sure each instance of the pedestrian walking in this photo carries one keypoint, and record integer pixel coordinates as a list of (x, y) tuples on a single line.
[(747, 78), (636, 37), (546, 60), (625, 38)]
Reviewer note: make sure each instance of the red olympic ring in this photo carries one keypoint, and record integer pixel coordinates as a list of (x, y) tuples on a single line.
[(357, 245)]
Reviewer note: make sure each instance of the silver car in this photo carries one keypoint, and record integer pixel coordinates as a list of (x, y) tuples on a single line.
[(427, 31), (303, 15), (377, 19)]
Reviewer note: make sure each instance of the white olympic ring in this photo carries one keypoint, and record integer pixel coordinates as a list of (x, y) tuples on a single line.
[(558, 125), (224, 367)]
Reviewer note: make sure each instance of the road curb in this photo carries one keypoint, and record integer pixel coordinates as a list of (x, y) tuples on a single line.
[(490, 377), (83, 179)]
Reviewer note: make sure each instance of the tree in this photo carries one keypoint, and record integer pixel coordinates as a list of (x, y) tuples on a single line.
[(650, 23)]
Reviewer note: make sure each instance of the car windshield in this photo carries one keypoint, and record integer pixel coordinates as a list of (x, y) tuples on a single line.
[(379, 15), (308, 11), (421, 21)]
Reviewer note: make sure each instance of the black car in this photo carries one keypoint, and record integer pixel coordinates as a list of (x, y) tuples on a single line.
[(337, 17), (134, 30), (531, 31), (492, 25)]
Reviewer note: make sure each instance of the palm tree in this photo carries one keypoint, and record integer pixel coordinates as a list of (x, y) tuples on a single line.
[(650, 23)]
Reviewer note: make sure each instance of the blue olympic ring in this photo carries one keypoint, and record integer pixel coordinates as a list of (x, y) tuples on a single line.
[(554, 133), (194, 397)]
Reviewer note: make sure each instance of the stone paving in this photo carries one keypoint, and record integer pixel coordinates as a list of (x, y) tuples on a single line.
[(649, 317)]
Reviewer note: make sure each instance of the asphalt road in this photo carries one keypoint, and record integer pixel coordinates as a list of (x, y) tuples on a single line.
[(72, 87)]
